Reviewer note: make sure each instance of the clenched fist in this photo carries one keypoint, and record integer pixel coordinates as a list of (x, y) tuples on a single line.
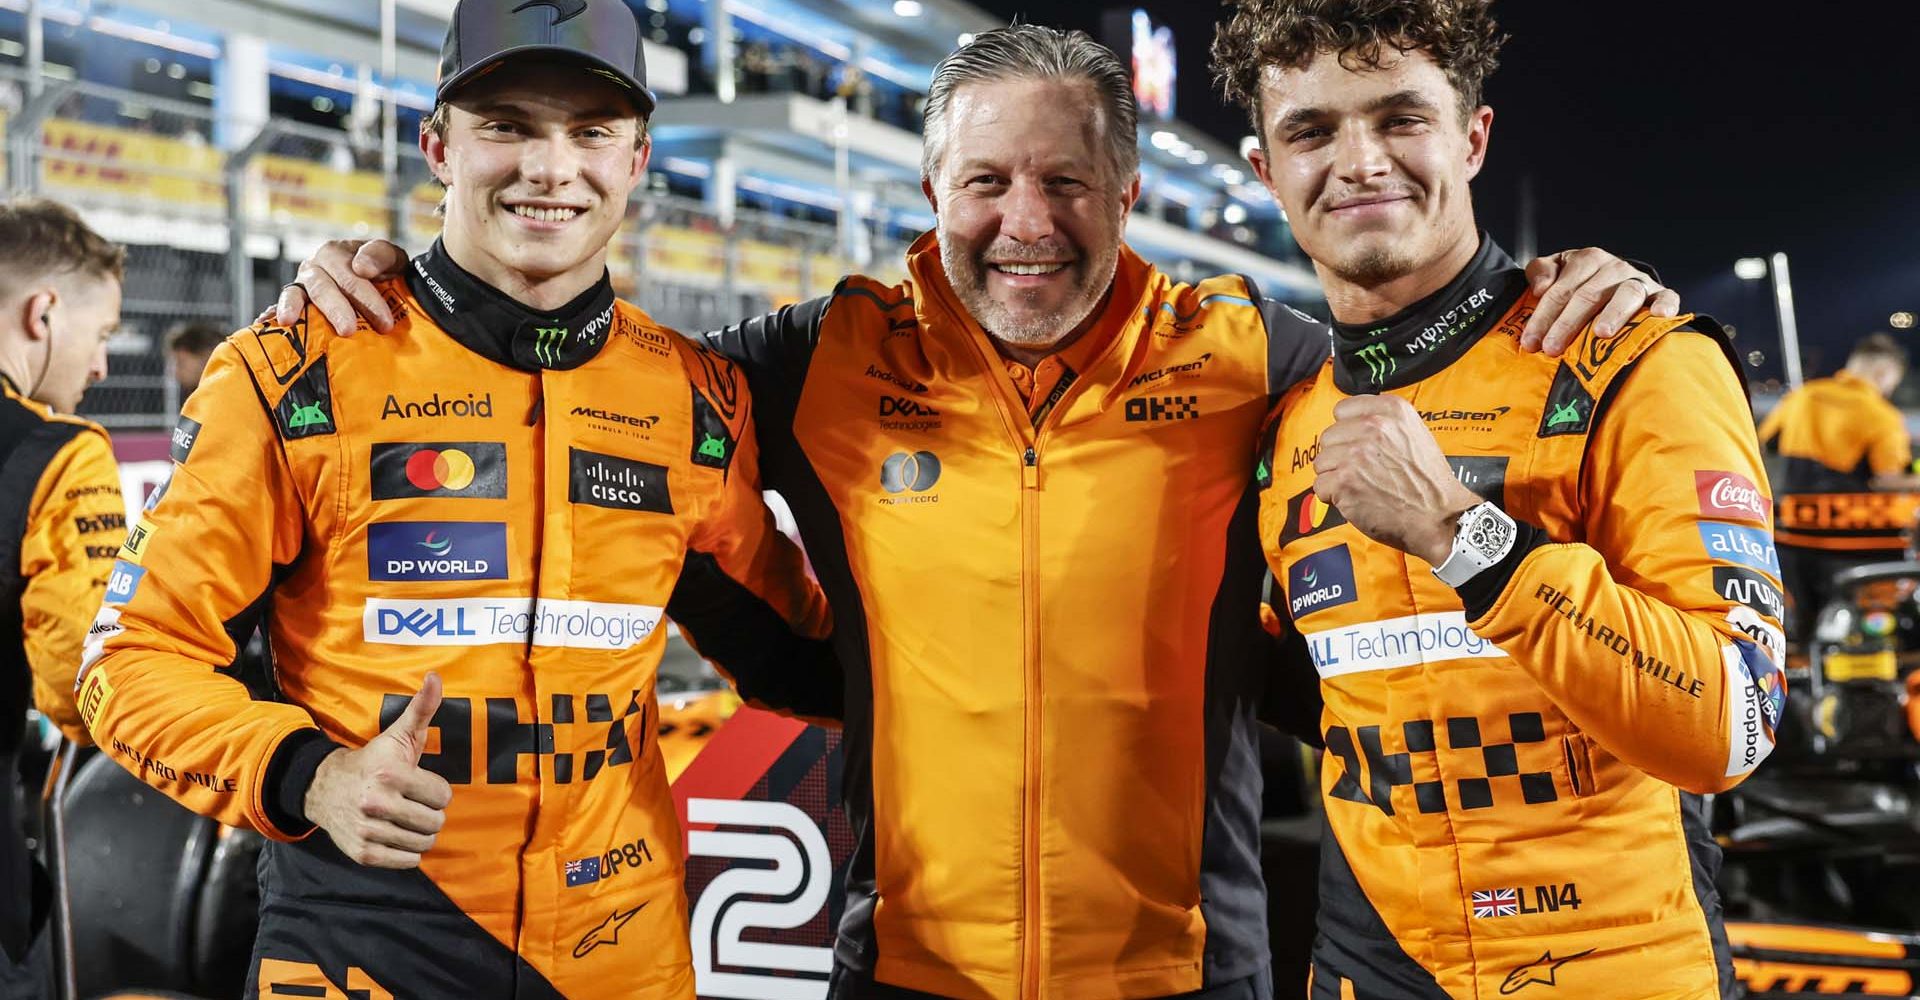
[(1385, 473), (379, 806)]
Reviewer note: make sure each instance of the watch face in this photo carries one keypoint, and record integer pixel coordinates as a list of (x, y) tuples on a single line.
[(1488, 533)]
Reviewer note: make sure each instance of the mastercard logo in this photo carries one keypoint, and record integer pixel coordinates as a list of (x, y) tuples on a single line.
[(1309, 514), (471, 470), (447, 469)]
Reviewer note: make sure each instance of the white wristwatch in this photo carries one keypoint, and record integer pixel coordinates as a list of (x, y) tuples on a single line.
[(1485, 536)]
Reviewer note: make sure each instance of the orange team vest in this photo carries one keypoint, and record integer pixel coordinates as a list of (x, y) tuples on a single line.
[(1048, 619), (1479, 843)]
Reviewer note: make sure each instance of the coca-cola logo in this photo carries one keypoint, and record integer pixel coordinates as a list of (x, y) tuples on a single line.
[(1731, 494)]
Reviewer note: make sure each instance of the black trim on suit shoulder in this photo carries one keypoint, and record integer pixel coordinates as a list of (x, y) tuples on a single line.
[(775, 342), (1297, 344)]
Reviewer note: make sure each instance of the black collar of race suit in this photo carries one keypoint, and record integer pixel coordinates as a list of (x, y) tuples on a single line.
[(495, 326), (1428, 335)]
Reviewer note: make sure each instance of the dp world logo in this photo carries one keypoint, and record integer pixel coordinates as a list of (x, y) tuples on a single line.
[(903, 472)]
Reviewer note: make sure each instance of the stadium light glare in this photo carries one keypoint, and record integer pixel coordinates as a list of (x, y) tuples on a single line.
[(1234, 214), (1750, 268), (1901, 320), (1163, 139), (906, 8)]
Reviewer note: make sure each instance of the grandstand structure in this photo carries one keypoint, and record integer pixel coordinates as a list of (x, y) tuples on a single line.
[(222, 140)]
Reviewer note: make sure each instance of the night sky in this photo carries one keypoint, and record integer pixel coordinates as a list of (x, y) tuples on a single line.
[(1686, 135)]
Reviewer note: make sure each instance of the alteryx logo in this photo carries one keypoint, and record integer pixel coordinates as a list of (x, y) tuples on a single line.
[(1751, 547), (1320, 581), (436, 550)]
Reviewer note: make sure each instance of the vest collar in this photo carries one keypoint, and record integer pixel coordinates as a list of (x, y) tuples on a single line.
[(1428, 335), (493, 325)]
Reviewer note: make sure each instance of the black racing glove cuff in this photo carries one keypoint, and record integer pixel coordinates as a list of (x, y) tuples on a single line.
[(1480, 593), (289, 775)]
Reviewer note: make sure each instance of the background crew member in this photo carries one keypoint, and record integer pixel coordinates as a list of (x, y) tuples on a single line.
[(61, 515), (1842, 474)]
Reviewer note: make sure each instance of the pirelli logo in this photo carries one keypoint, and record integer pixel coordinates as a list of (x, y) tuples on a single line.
[(95, 694)]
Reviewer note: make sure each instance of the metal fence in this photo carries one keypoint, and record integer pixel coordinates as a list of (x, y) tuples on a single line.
[(212, 233)]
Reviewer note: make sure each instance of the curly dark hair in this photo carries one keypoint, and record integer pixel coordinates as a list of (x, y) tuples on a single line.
[(1459, 35)]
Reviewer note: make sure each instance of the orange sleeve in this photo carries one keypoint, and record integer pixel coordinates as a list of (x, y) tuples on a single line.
[(1632, 630), (74, 530), (1891, 450), (152, 692)]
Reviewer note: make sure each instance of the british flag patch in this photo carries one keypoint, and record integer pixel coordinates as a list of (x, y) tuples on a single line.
[(1496, 902)]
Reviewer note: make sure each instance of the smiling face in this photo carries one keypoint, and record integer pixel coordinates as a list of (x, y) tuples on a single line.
[(539, 159), (1372, 166), (1030, 207)]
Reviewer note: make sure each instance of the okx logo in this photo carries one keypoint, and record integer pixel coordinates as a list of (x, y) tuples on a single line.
[(475, 469), (1380, 362), (1321, 581)]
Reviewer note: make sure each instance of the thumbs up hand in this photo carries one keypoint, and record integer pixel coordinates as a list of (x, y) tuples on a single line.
[(379, 806)]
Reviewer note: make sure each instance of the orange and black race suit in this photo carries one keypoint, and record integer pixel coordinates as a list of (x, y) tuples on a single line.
[(512, 499), (61, 521), (1513, 771), (1829, 439), (1046, 602)]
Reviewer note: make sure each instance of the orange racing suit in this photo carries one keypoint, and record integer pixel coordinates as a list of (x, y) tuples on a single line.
[(1513, 770), (512, 499)]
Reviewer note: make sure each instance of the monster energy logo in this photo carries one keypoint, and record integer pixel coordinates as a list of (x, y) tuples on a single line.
[(1261, 472), (1565, 413), (310, 415), (1380, 362), (546, 343), (713, 447)]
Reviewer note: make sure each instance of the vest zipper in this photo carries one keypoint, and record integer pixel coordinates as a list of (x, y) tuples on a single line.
[(1030, 929)]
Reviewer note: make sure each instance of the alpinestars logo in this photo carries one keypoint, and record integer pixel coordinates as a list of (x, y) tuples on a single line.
[(1380, 362)]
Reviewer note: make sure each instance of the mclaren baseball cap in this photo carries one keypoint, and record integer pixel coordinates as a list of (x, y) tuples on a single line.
[(601, 34)]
